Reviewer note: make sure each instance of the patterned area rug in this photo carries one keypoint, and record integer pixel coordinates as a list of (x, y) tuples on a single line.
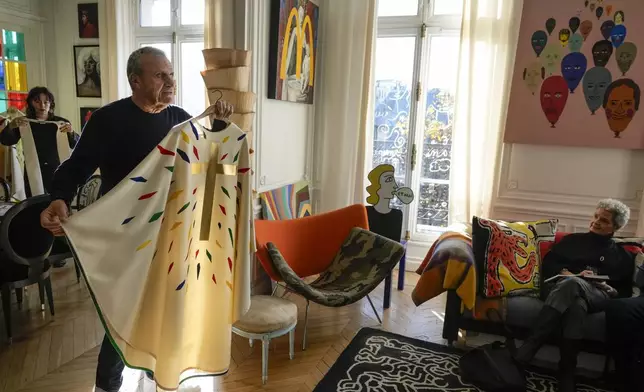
[(378, 361)]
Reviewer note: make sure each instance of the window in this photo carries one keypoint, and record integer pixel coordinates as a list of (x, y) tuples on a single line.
[(13, 71), (176, 27), (416, 66)]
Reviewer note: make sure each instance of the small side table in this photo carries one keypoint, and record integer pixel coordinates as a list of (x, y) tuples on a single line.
[(268, 318)]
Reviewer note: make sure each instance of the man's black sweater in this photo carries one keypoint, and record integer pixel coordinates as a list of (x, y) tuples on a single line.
[(589, 251), (115, 140)]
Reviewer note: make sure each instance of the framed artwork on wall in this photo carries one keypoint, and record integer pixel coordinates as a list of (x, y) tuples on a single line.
[(88, 20), (293, 50), (578, 77), (87, 62), (85, 114)]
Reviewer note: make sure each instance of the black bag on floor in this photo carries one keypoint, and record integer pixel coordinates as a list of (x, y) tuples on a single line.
[(492, 368)]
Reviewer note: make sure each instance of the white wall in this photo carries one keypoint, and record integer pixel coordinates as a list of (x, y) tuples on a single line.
[(283, 129), (567, 182)]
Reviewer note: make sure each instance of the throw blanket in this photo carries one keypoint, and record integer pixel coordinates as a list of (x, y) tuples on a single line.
[(166, 253), (449, 265)]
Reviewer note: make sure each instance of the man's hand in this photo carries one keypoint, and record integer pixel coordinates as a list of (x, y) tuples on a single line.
[(587, 273), (66, 128), (607, 288), (18, 122), (565, 272), (223, 110), (52, 217)]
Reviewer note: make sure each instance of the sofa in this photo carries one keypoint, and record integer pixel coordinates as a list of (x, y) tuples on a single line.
[(518, 313)]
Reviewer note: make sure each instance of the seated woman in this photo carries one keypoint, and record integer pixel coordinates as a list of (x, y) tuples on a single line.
[(40, 106), (569, 299)]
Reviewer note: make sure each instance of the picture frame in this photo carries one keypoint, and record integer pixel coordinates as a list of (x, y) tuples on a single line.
[(293, 36), (87, 71), (88, 20), (85, 114)]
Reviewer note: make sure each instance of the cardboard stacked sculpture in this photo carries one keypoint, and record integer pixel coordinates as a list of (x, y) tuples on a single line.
[(227, 77)]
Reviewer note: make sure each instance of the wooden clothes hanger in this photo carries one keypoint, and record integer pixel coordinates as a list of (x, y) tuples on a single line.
[(210, 111)]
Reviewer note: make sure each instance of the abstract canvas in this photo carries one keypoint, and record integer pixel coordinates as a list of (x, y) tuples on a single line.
[(293, 50), (578, 76), (288, 202)]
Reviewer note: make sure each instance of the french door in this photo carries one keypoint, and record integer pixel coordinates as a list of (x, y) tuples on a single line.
[(416, 66)]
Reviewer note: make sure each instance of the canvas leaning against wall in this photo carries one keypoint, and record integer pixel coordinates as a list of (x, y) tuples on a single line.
[(577, 76), (292, 50)]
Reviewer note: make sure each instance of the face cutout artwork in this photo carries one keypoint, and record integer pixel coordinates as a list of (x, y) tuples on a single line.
[(618, 35), (606, 28), (573, 67), (554, 95), (550, 25), (609, 9), (592, 4), (533, 74), (619, 17), (599, 12), (551, 58), (383, 189), (585, 28), (564, 36), (574, 23), (539, 41), (621, 103), (625, 56), (602, 50), (595, 82), (576, 42)]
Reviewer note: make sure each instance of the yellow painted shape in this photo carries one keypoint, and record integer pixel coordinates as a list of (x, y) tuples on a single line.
[(144, 245), (230, 285), (175, 225), (185, 137), (306, 25), (174, 195)]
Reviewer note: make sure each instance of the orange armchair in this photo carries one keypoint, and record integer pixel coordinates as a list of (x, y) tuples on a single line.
[(310, 243)]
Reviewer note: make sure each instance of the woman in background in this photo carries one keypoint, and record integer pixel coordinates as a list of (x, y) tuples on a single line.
[(40, 106)]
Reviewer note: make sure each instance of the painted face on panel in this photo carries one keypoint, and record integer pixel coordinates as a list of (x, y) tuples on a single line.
[(533, 74), (387, 185), (539, 40), (625, 56), (619, 17), (575, 43), (606, 28), (564, 36), (585, 28), (573, 67), (596, 81), (554, 95), (621, 103), (602, 50), (551, 58), (618, 35)]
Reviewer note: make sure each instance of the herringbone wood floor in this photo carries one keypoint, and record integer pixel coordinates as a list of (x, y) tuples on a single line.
[(57, 354)]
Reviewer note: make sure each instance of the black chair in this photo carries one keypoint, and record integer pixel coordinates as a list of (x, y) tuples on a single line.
[(24, 248), (5, 190)]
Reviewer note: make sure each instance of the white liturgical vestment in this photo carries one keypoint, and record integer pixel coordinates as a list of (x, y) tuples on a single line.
[(166, 253)]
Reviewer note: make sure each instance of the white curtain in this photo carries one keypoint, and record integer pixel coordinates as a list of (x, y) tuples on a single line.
[(488, 49), (119, 44), (343, 101)]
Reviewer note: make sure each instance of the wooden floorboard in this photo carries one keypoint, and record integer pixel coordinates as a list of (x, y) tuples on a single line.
[(59, 353)]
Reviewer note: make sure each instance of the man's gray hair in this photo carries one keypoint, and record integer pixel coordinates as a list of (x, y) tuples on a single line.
[(621, 212), (134, 61)]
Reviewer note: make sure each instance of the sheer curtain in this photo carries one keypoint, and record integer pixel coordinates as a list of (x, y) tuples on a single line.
[(343, 103), (488, 47)]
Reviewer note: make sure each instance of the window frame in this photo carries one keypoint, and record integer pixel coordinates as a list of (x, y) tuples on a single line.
[(424, 25), (175, 35)]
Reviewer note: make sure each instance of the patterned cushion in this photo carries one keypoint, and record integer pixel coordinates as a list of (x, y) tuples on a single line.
[(507, 255)]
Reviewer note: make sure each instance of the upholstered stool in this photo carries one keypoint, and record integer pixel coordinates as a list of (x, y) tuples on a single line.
[(267, 318)]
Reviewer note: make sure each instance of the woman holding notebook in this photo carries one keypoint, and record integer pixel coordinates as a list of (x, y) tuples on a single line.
[(581, 272)]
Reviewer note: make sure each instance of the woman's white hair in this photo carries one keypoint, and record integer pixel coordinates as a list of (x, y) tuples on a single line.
[(620, 211)]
